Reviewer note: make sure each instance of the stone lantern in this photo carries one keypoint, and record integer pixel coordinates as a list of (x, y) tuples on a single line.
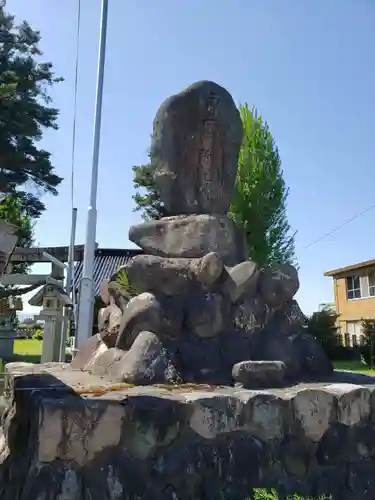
[(8, 314), (51, 298)]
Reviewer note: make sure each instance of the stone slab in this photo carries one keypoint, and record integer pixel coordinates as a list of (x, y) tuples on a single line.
[(259, 374), (62, 437), (197, 136), (191, 236)]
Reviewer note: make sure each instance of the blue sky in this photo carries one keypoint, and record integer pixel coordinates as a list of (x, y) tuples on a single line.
[(306, 65)]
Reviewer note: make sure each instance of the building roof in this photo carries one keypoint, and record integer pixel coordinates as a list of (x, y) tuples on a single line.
[(106, 262), (349, 269)]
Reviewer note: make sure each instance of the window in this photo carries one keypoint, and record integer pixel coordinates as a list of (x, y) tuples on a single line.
[(361, 287), (353, 329), (371, 284), (354, 287)]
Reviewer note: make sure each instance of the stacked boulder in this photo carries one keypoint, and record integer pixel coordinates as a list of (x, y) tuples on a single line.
[(202, 313)]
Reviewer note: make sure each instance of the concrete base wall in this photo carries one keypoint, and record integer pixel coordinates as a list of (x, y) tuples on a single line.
[(69, 435)]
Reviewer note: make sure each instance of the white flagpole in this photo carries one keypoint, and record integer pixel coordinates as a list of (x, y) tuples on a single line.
[(85, 308)]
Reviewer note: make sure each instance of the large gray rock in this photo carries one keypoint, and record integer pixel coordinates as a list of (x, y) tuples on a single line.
[(278, 284), (86, 355), (103, 318), (109, 321), (196, 140), (259, 374), (236, 346), (314, 361), (115, 316), (174, 276), (191, 236), (301, 353), (102, 364), (242, 279), (289, 319), (206, 314), (147, 362), (104, 292), (118, 295), (201, 360), (146, 312), (250, 314), (208, 269), (269, 345)]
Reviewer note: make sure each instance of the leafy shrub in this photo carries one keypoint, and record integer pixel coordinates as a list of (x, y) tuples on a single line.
[(341, 353), (38, 335), (323, 326), (123, 280), (368, 347), (29, 326)]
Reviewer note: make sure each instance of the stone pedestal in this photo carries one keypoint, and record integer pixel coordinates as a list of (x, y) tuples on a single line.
[(78, 436), (6, 345), (51, 336), (7, 334)]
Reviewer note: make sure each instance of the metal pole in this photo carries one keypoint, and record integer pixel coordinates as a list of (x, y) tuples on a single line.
[(69, 275), (85, 309), (68, 286)]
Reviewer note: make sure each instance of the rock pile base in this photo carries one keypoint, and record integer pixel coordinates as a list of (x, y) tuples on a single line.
[(193, 305), (71, 435)]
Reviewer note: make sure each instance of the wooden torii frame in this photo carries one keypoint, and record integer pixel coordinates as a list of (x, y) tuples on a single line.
[(38, 255), (13, 255)]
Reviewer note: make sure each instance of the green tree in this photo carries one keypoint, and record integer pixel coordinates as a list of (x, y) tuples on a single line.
[(26, 170), (11, 211), (259, 203), (368, 348), (148, 200), (323, 326)]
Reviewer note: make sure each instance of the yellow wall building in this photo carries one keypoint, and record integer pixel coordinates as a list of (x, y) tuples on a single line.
[(354, 295)]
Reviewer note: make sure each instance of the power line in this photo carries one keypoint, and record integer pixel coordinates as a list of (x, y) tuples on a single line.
[(341, 226)]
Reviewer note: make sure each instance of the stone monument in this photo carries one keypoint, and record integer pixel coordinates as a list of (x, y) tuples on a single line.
[(201, 326), (203, 312)]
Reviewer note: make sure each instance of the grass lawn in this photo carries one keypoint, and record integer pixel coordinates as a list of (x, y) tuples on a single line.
[(354, 366), (28, 350)]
